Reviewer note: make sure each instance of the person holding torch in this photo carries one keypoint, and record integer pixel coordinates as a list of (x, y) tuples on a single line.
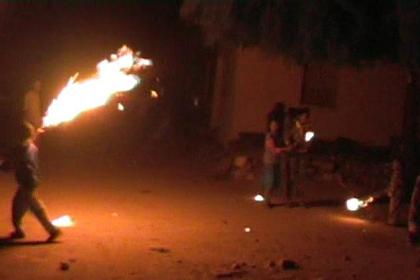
[(299, 143), (274, 151), (25, 163)]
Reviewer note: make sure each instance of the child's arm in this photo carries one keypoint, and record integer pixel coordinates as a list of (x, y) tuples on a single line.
[(269, 143), (283, 150)]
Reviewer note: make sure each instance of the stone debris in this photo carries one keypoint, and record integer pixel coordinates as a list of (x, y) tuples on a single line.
[(283, 264), (64, 266), (289, 264), (160, 250), (238, 266), (272, 264)]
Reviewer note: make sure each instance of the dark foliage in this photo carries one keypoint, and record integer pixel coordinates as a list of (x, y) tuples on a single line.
[(340, 31)]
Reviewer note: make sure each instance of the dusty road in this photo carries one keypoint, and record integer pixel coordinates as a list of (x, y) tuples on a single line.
[(147, 219)]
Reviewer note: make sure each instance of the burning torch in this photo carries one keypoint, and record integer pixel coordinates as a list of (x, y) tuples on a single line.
[(354, 204), (114, 75), (309, 135)]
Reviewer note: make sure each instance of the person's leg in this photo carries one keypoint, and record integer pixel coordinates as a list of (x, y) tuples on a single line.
[(276, 178), (286, 177), (395, 204), (414, 216), (38, 209), (301, 174), (294, 174), (268, 179), (19, 207)]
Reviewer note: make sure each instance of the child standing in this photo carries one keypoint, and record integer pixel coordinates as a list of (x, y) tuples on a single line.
[(274, 147)]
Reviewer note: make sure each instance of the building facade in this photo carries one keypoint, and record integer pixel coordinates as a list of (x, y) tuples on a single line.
[(365, 104)]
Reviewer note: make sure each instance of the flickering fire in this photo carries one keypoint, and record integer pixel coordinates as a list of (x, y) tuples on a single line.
[(309, 135), (63, 221), (113, 76), (121, 107), (354, 204), (258, 198), (154, 94)]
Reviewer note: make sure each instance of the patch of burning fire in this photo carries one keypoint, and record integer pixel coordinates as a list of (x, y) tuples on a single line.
[(354, 204)]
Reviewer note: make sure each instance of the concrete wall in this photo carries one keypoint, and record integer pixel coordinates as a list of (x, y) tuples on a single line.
[(369, 100)]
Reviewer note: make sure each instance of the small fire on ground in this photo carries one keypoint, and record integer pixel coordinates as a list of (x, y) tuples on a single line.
[(354, 204), (63, 221)]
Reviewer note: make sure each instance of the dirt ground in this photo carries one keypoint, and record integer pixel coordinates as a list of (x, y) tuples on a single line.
[(166, 217)]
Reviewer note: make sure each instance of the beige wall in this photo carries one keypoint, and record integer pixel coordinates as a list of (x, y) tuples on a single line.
[(369, 100)]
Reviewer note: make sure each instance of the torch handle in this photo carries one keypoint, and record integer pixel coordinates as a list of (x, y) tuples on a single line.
[(38, 132)]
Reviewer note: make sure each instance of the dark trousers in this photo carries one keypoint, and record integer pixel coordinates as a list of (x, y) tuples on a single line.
[(271, 180), (25, 199), (296, 170)]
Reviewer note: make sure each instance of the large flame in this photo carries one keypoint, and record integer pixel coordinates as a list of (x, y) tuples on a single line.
[(113, 76)]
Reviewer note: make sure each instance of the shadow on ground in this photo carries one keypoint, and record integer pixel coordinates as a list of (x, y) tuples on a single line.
[(7, 242)]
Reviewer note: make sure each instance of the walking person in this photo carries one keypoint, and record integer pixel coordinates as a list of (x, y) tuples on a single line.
[(25, 163)]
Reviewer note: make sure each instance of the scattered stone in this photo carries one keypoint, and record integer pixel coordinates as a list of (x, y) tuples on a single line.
[(238, 266), (347, 258), (72, 260), (272, 264), (257, 240), (289, 264), (64, 266), (160, 250), (179, 261), (242, 168)]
